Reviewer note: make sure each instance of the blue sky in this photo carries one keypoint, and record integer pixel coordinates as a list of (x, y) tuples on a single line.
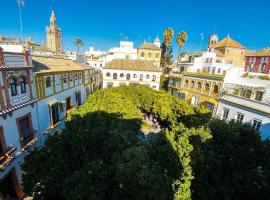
[(103, 23)]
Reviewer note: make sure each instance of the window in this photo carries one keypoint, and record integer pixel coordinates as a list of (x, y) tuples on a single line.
[(156, 55), (263, 68), (213, 70), (134, 75), (192, 84), (245, 93), (80, 75), (78, 98), (240, 117), (182, 96), (114, 76), (215, 89), (108, 74), (65, 78), (141, 77), (22, 85), (68, 103), (71, 77), (225, 113), (54, 114), (24, 130), (127, 56), (128, 76), (142, 54), (13, 87), (147, 76), (121, 75), (154, 78), (200, 85), (76, 75), (207, 87), (219, 70), (48, 82), (259, 96), (187, 82), (149, 55), (61, 107), (256, 124)]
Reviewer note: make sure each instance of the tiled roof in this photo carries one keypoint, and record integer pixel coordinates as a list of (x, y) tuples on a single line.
[(135, 65), (54, 64), (15, 66), (149, 46), (42, 47), (260, 53), (16, 107), (228, 42)]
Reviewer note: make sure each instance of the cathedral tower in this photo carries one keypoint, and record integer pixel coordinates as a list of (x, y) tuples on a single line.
[(54, 35), (212, 41)]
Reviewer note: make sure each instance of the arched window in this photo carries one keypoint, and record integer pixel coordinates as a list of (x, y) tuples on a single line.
[(141, 77), (147, 76), (215, 89), (263, 67), (121, 75), (200, 85), (154, 78), (142, 54), (149, 55), (12, 85), (187, 82), (115, 76), (134, 75), (251, 67), (22, 85), (156, 55), (192, 83), (128, 76), (207, 87), (108, 74)]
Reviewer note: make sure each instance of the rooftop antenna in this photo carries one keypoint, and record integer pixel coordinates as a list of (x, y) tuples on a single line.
[(21, 4), (201, 43)]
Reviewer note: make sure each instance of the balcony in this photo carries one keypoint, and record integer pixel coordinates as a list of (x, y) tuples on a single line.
[(7, 157)]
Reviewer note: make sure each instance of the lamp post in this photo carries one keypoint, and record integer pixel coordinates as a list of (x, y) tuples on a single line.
[(20, 4)]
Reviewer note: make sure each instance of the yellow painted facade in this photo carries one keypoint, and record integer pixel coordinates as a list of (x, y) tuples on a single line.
[(197, 88), (150, 53)]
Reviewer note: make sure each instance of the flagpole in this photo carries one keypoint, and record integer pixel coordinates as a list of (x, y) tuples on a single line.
[(20, 4)]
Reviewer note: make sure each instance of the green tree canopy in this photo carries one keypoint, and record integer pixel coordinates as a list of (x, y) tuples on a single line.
[(100, 156)]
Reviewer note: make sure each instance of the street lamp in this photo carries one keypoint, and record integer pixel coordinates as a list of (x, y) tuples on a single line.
[(20, 4)]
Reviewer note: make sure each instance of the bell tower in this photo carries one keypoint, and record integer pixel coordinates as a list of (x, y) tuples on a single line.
[(54, 35), (212, 41)]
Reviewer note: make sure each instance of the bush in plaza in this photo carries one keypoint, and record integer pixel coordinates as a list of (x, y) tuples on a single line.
[(99, 156)]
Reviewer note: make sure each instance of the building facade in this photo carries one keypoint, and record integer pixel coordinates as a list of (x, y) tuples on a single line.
[(125, 51), (258, 62), (61, 84), (231, 50), (54, 35), (201, 80), (247, 101), (150, 52), (18, 117), (131, 72)]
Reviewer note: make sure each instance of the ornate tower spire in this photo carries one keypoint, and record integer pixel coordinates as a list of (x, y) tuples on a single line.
[(54, 35)]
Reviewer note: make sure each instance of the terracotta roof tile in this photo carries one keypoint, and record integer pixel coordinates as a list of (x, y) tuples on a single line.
[(135, 65), (149, 46), (228, 42), (53, 64), (260, 53)]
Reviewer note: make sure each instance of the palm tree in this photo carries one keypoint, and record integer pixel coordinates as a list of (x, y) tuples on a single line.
[(181, 39), (78, 42), (168, 36)]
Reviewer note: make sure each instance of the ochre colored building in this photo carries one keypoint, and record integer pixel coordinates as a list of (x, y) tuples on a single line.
[(233, 51), (54, 35)]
